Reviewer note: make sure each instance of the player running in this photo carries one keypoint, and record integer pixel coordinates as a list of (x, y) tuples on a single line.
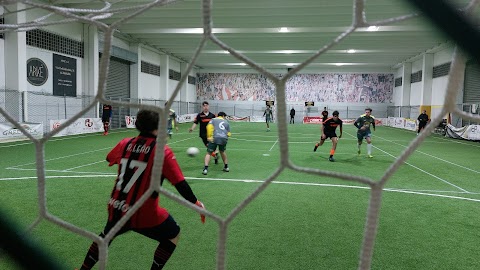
[(328, 131), (363, 124)]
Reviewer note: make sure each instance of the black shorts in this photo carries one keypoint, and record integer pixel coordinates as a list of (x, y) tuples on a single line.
[(105, 119), (422, 124), (204, 139), (330, 135), (168, 229)]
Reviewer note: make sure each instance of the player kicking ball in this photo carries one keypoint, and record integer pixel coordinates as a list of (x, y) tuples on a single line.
[(218, 132), (328, 131)]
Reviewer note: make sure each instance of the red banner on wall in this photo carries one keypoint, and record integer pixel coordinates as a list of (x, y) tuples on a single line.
[(312, 119)]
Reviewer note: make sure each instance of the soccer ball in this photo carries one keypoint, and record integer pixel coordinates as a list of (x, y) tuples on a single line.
[(192, 151)]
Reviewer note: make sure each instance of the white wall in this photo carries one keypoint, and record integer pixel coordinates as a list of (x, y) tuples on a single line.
[(149, 85), (172, 84), (191, 90), (71, 30), (417, 65), (47, 58), (397, 91), (443, 56)]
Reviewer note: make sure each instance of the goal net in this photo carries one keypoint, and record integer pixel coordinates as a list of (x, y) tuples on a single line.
[(438, 10)]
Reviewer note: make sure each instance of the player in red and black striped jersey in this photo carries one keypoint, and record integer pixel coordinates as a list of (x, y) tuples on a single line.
[(106, 116), (328, 131), (202, 119), (135, 158)]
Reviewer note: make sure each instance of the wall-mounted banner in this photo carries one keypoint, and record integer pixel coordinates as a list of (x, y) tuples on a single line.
[(410, 124), (312, 120), (238, 119), (186, 118), (9, 131), (37, 72), (130, 121), (79, 126), (64, 76)]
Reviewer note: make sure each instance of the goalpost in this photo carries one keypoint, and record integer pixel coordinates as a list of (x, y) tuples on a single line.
[(438, 10)]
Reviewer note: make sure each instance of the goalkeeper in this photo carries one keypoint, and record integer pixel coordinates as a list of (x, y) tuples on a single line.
[(134, 157)]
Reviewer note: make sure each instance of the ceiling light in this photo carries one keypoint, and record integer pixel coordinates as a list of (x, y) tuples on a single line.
[(372, 28), (283, 30), (290, 64), (226, 52), (242, 64), (351, 51), (339, 64)]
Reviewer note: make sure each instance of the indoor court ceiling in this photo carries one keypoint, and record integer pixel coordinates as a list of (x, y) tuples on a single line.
[(254, 28)]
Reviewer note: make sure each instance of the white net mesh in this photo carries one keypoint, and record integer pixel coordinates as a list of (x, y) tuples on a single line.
[(94, 17)]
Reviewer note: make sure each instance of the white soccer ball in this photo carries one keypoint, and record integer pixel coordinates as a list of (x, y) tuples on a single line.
[(192, 151)]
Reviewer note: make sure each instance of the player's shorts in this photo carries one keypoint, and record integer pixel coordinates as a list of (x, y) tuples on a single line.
[(422, 124), (169, 131), (211, 147), (204, 139), (168, 229), (330, 135), (363, 135), (268, 120), (105, 118)]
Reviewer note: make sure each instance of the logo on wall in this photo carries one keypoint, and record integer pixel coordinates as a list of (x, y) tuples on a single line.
[(37, 72), (88, 123)]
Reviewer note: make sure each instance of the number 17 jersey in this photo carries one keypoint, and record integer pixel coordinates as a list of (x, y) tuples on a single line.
[(134, 157)]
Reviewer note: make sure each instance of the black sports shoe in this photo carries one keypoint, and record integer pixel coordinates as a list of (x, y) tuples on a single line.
[(216, 158), (315, 148), (331, 159)]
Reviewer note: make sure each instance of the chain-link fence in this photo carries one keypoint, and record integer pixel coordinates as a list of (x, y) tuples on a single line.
[(37, 107), (12, 102)]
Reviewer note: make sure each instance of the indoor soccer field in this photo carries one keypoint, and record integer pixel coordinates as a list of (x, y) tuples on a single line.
[(428, 220)]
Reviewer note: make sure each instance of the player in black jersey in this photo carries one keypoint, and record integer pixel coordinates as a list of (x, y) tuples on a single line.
[(203, 118), (328, 131)]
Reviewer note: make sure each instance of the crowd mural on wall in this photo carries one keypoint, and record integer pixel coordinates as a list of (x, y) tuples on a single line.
[(331, 87)]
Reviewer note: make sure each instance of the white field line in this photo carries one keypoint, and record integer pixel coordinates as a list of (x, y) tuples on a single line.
[(57, 158), (63, 171), (432, 156), (263, 150), (271, 141), (273, 182), (25, 142), (78, 154), (189, 138), (85, 165), (443, 139), (413, 166), (432, 175), (273, 145)]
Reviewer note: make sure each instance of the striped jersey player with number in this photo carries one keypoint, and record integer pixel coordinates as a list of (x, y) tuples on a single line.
[(135, 157), (218, 132)]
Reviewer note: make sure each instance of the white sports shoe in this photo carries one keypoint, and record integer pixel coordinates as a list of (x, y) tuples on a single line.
[(226, 169)]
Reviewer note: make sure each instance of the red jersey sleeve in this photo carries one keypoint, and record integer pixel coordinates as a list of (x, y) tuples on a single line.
[(115, 155), (171, 169)]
